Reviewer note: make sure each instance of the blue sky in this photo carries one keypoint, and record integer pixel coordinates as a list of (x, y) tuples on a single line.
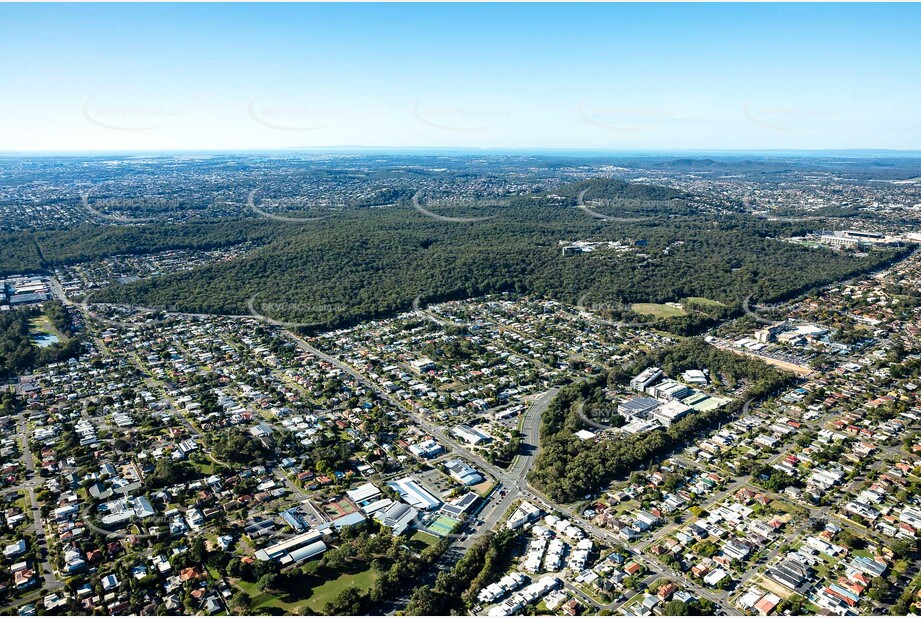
[(605, 76)]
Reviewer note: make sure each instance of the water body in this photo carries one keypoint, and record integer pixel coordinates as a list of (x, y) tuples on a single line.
[(45, 340)]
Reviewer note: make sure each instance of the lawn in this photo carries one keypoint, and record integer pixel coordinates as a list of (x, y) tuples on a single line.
[(628, 506), (203, 465), (633, 601), (43, 324), (328, 591), (657, 310), (822, 568), (41, 327), (315, 598), (786, 507), (704, 302), (422, 540), (266, 600)]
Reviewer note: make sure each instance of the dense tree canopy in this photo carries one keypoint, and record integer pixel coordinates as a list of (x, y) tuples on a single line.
[(18, 353), (366, 262), (374, 262), (456, 589)]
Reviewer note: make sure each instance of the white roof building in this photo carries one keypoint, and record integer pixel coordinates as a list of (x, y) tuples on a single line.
[(411, 491), (398, 517), (363, 493), (526, 512)]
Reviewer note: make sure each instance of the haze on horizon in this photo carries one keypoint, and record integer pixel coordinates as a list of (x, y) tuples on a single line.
[(618, 77)]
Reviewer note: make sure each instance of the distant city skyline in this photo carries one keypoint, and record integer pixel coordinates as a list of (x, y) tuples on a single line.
[(624, 77)]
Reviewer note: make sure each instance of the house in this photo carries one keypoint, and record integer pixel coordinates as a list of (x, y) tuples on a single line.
[(766, 604), (190, 574), (15, 549), (633, 568), (789, 573), (23, 576), (422, 364), (665, 591), (109, 582), (570, 608), (212, 605), (715, 577), (750, 598), (736, 550)]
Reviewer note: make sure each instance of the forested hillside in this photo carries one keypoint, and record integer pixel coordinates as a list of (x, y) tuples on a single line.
[(618, 189), (365, 262), (375, 262), (32, 251)]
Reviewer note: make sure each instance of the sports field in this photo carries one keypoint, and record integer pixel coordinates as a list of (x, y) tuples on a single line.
[(657, 310)]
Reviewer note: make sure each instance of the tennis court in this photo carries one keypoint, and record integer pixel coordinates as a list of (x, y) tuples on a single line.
[(443, 525), (338, 507)]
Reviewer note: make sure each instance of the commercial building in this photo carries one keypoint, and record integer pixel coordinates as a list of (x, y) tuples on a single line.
[(398, 517), (669, 389), (645, 379), (836, 240), (638, 407), (769, 334), (295, 549), (851, 238), (525, 513), (426, 449), (670, 412), (414, 494), (462, 473), (695, 377), (363, 493), (470, 435)]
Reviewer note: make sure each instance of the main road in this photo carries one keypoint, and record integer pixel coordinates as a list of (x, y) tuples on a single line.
[(512, 483), (514, 480)]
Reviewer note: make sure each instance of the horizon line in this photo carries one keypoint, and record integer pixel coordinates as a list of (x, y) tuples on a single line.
[(570, 151)]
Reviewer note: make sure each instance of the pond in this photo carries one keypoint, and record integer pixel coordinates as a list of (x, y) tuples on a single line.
[(45, 340)]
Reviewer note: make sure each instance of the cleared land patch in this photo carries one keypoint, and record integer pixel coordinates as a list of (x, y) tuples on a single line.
[(658, 310)]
